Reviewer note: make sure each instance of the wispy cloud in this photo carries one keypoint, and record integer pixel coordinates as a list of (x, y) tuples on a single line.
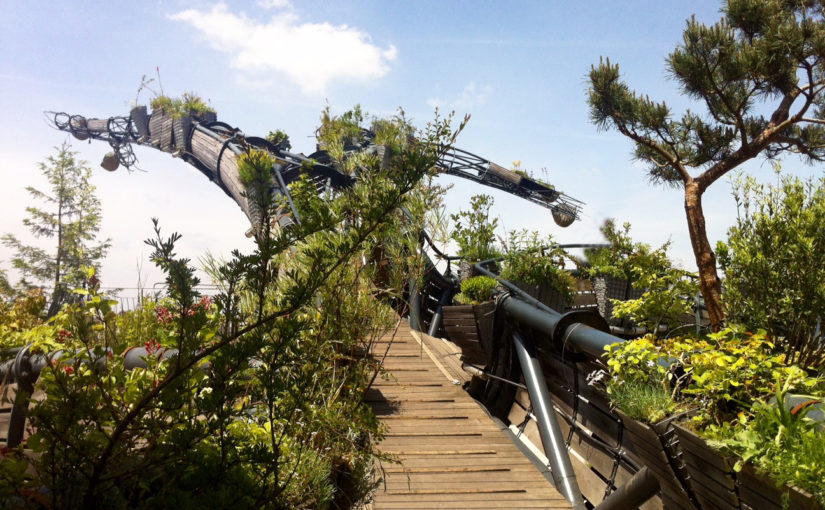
[(471, 96), (275, 4), (311, 55)]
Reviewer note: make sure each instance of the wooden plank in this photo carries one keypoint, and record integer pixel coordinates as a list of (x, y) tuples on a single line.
[(451, 454)]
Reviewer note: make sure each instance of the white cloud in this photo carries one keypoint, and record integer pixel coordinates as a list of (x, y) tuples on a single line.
[(312, 55), (472, 96), (275, 4)]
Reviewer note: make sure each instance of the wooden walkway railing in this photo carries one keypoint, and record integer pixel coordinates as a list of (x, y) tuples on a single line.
[(452, 454)]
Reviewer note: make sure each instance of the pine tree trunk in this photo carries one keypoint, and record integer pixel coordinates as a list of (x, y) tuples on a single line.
[(54, 306), (709, 281)]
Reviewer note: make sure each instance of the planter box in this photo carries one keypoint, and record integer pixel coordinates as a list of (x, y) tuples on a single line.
[(546, 294), (140, 121), (471, 328), (711, 474), (205, 117), (609, 287), (757, 492), (160, 130), (467, 269), (182, 127), (652, 445)]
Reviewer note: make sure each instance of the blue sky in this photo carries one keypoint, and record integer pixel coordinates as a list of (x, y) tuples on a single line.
[(520, 69)]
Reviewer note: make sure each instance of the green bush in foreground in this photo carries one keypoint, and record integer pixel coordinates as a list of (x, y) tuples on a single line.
[(252, 399)]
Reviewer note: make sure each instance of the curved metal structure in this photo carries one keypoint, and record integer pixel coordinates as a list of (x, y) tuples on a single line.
[(213, 147)]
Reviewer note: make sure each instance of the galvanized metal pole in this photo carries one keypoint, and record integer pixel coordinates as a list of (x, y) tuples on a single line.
[(438, 316), (633, 493), (549, 430), (583, 337)]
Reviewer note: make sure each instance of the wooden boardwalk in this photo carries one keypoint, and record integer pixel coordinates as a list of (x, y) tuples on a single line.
[(453, 455)]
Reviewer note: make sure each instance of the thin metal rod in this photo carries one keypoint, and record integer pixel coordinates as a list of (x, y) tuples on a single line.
[(552, 439), (481, 374), (632, 494)]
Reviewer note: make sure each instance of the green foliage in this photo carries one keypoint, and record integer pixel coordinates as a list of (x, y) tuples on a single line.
[(474, 231), (642, 401), (262, 405), (780, 441), (774, 265), (72, 219), (732, 370), (188, 104), (640, 379), (279, 139), (734, 66), (476, 290), (733, 381), (668, 298), (758, 73), (721, 376), (624, 258), (531, 260), (22, 320), (669, 291), (341, 134)]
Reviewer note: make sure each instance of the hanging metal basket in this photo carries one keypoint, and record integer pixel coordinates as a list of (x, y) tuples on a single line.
[(110, 162), (564, 215)]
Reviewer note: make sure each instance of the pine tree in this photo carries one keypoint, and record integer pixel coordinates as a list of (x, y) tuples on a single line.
[(71, 216), (760, 74)]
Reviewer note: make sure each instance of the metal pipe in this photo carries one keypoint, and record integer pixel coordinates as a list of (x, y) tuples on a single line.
[(587, 339), (632, 494), (415, 306), (438, 316), (551, 437), (24, 375)]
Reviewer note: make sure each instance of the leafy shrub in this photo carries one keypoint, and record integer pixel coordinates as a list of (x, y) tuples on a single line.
[(476, 290), (774, 265), (640, 381), (253, 400), (19, 317), (780, 441), (529, 260), (280, 139), (737, 383), (669, 291), (474, 231), (667, 299), (624, 257)]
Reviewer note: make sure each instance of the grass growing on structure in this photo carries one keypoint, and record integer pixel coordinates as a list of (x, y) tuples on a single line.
[(641, 401), (188, 104)]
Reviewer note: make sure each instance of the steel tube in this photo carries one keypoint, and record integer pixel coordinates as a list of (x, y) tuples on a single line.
[(552, 439), (585, 338), (632, 494), (438, 316)]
